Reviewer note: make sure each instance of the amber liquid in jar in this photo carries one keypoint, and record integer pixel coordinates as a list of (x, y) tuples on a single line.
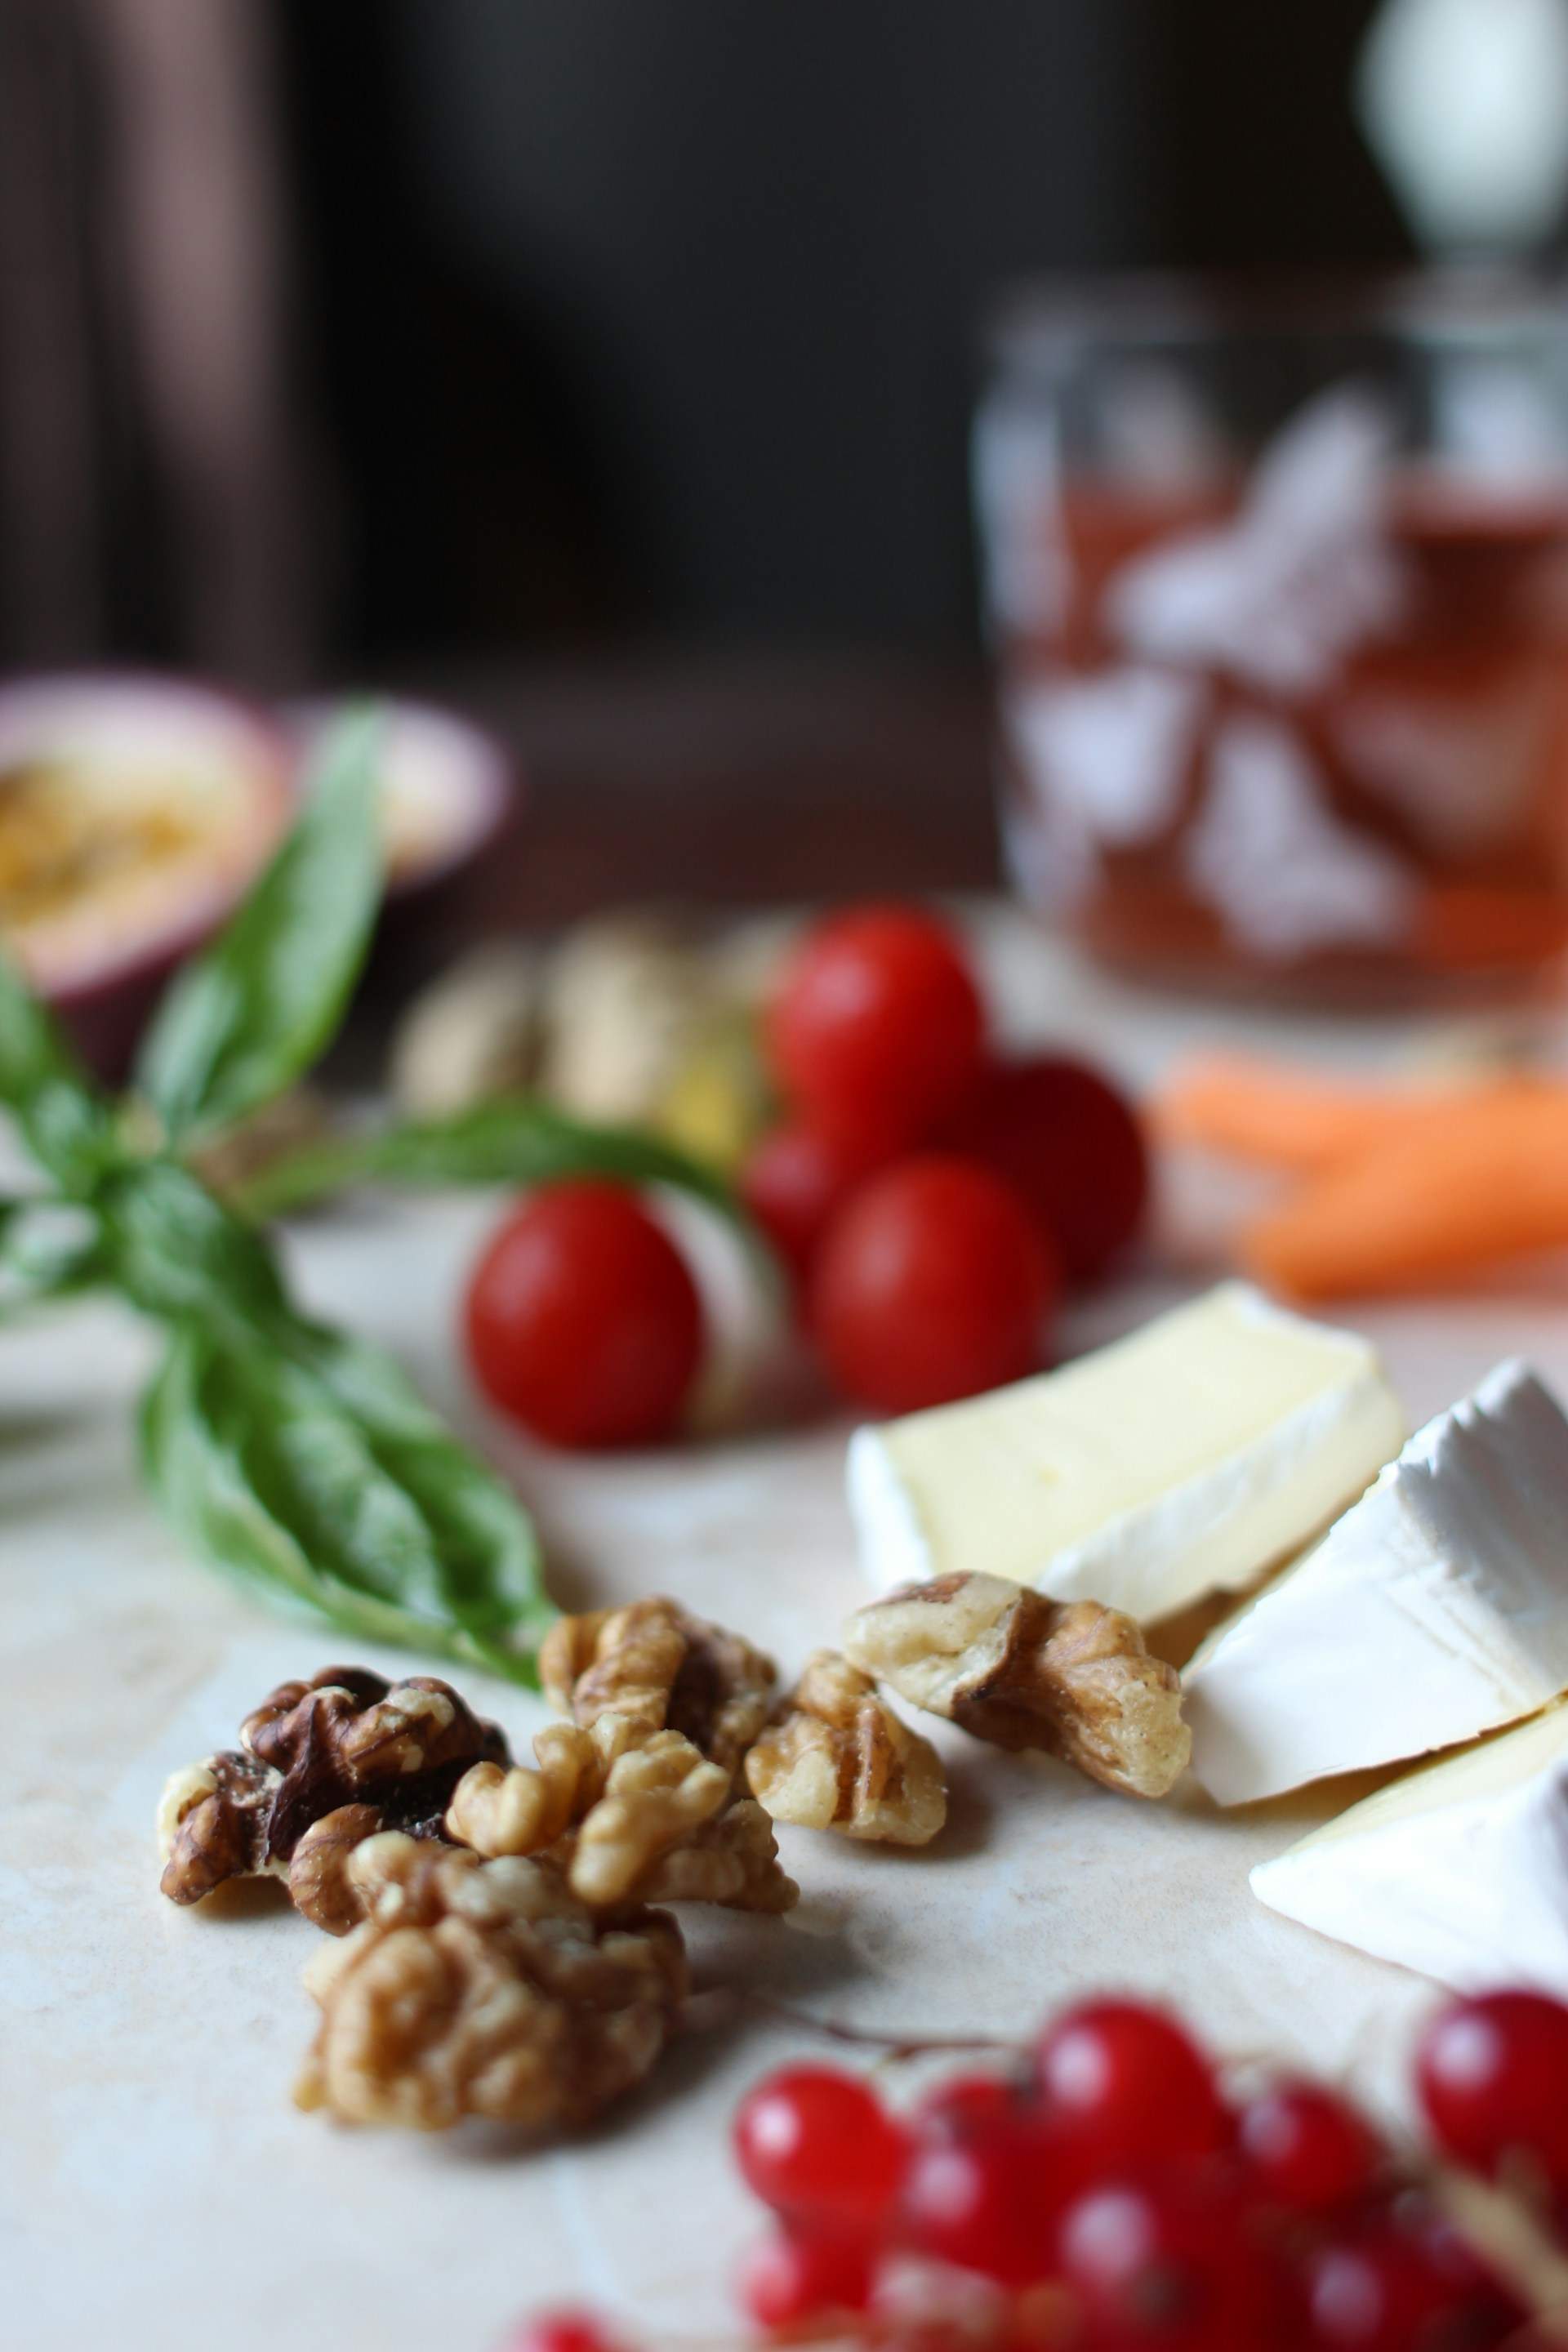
[(1348, 780)]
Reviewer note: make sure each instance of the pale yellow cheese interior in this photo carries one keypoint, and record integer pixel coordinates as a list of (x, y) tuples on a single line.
[(1001, 1484), (1490, 1768)]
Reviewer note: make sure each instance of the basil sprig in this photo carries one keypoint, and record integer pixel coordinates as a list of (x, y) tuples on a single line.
[(297, 1459)]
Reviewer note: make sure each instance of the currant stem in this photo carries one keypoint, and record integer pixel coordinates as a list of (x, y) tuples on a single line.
[(726, 2004)]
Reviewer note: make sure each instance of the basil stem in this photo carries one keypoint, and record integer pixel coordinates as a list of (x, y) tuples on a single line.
[(513, 1139)]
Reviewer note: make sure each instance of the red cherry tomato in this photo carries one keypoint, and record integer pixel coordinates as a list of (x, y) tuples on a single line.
[(877, 1028), (1072, 1147), (933, 1283), (793, 1182), (583, 1322)]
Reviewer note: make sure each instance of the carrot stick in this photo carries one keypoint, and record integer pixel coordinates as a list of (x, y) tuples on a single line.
[(1487, 1181), (1285, 1118)]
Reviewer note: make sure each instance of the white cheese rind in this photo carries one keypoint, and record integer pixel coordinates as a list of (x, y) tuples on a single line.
[(1459, 1870), (1184, 1460), (1435, 1610)]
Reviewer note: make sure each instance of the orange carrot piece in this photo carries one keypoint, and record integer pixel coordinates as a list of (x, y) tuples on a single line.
[(1285, 1118), (1487, 1181)]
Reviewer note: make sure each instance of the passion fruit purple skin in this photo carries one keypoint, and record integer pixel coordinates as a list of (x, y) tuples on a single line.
[(451, 787), (104, 998)]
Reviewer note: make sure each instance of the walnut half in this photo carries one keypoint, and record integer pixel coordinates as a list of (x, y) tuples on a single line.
[(838, 1758), (627, 1815), (1071, 1678), (484, 1989), (668, 1671), (322, 1765)]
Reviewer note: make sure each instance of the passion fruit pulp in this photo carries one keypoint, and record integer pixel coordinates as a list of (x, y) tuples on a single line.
[(135, 812)]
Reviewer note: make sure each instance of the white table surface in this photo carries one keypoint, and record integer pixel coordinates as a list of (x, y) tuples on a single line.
[(158, 2191)]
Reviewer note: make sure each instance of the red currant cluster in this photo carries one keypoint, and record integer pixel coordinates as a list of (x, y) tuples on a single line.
[(1106, 2195)]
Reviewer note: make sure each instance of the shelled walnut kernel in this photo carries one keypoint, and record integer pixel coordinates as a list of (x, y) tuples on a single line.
[(322, 1765), (1073, 1679), (485, 1988), (837, 1757)]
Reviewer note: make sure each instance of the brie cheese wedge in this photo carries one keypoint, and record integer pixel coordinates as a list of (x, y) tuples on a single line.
[(1459, 1870), (1184, 1460), (1436, 1609)]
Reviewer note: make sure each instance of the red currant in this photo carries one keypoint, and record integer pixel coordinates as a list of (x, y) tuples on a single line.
[(561, 2331), (985, 2199), (792, 2278), (1167, 2262), (1305, 2148), (1128, 2085), (970, 2103), (819, 2145), (1492, 2074), (1394, 2288)]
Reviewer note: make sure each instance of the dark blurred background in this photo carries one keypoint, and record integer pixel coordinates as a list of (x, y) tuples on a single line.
[(604, 367), (337, 336)]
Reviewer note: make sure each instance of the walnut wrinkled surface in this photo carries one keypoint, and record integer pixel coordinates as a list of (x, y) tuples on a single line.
[(732, 1860), (1073, 1679), (486, 1989), (618, 1810), (322, 1765), (667, 1670), (838, 1758)]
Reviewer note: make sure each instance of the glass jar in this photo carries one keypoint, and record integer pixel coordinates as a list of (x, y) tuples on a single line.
[(1277, 593)]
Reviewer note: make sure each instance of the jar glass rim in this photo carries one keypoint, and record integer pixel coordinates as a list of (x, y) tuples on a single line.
[(1043, 319)]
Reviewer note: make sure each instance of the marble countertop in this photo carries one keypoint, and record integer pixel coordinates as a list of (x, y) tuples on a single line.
[(157, 2188)]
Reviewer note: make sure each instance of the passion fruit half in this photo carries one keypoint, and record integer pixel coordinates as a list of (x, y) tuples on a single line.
[(135, 812)]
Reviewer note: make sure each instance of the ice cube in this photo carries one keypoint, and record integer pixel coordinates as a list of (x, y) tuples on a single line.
[(1281, 595), (1461, 773), (1268, 854), (1114, 747)]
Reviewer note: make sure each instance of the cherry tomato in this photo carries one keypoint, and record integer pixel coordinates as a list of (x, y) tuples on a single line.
[(933, 1283), (1070, 1145), (876, 1027), (583, 1322), (795, 1179)]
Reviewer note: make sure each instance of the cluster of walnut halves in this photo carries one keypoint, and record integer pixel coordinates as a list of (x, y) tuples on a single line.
[(830, 1755), (497, 1955)]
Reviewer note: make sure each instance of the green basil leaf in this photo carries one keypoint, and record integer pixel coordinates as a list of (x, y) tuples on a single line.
[(175, 1251), (312, 1468), (514, 1139), (65, 1121), (251, 1015), (48, 1252)]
